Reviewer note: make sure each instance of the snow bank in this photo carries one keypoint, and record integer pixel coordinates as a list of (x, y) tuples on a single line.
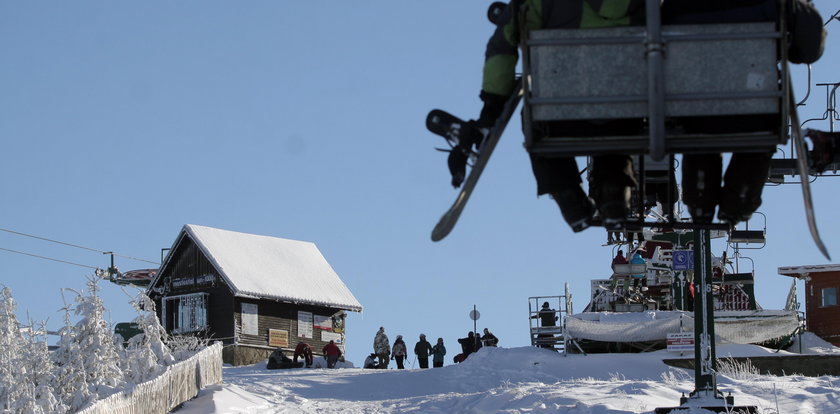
[(813, 344), (502, 380)]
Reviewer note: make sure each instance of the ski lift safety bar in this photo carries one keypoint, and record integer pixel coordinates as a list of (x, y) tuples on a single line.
[(655, 72)]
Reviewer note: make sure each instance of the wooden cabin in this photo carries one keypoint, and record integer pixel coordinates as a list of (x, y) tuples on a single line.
[(254, 293), (822, 285)]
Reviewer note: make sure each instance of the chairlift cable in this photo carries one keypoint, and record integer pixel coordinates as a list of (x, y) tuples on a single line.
[(48, 258), (77, 246)]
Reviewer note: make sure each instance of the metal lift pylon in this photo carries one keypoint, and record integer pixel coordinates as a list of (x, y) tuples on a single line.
[(706, 394)]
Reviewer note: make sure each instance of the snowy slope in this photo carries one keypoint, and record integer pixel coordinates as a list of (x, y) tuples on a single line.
[(516, 380)]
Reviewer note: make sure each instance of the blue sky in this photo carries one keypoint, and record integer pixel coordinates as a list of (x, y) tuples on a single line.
[(122, 121)]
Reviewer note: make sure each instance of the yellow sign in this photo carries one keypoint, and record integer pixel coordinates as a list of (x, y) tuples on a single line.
[(278, 338)]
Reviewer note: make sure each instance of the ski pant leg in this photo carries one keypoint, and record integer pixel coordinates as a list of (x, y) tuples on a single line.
[(668, 193), (399, 359), (612, 169), (554, 175), (610, 180), (701, 184), (424, 362)]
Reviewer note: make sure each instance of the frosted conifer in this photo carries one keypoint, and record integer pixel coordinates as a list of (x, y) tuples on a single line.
[(10, 343), (71, 380), (146, 355), (96, 343), (37, 374)]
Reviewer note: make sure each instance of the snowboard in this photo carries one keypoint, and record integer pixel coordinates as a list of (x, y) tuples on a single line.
[(802, 163), (444, 124)]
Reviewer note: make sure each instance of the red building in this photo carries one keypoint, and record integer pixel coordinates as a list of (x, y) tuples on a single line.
[(822, 286)]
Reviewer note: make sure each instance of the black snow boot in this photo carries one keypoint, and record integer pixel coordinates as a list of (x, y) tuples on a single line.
[(576, 207), (614, 204), (743, 184)]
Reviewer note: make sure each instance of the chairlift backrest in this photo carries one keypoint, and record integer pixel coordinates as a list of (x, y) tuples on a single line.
[(712, 72)]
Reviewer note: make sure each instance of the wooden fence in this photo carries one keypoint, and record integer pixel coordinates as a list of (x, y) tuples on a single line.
[(179, 383)]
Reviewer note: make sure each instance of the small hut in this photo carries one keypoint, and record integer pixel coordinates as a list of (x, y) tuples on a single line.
[(822, 285), (254, 293)]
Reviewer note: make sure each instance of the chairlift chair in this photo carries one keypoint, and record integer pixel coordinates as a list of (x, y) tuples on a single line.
[(655, 90)]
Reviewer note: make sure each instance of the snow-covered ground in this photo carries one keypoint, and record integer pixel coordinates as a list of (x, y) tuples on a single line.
[(515, 380)]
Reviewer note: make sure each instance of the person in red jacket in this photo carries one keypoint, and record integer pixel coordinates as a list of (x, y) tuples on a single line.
[(303, 350), (331, 353)]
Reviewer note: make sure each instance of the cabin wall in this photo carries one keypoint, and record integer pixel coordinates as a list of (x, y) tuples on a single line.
[(823, 320), (282, 325)]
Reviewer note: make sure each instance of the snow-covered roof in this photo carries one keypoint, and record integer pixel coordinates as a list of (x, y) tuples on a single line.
[(798, 271), (273, 268)]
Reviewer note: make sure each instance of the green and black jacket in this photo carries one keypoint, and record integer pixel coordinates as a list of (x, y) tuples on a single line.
[(501, 54)]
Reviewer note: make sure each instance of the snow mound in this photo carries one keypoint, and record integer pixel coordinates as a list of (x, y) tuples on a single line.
[(504, 380), (813, 344)]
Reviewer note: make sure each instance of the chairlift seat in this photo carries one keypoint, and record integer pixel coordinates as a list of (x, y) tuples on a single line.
[(726, 76)]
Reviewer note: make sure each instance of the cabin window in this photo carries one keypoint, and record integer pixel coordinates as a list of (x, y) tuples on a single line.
[(186, 313), (829, 296)]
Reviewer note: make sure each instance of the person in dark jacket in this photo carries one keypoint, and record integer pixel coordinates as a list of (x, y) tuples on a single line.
[(303, 350), (743, 182), (423, 349), (279, 360), (467, 344), (611, 176), (438, 352), (370, 361), (548, 317), (619, 258), (488, 339), (331, 353)]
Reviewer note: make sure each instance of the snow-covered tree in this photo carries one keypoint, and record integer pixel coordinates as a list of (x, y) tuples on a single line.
[(96, 343), (37, 374), (10, 344), (26, 376), (146, 355), (71, 380), (87, 357)]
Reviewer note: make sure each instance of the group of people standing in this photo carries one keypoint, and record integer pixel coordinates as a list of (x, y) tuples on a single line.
[(383, 352)]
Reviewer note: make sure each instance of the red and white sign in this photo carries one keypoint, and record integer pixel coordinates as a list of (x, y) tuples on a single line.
[(680, 342)]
